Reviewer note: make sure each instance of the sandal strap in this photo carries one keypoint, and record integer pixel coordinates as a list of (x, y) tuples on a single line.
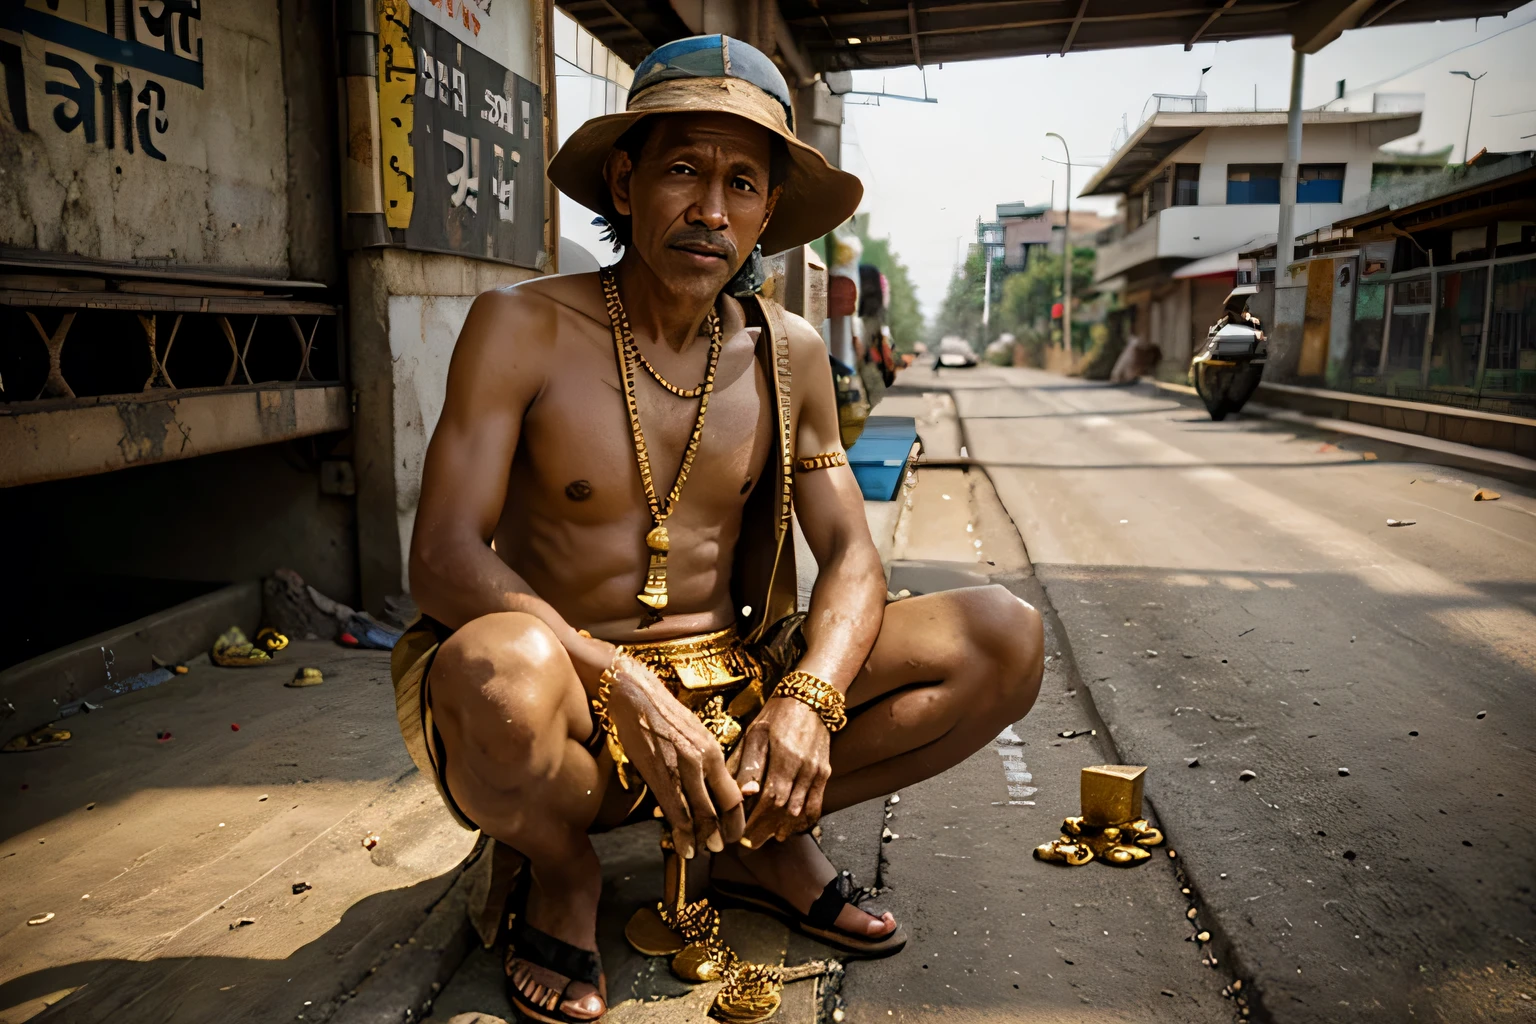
[(823, 912), (544, 950)]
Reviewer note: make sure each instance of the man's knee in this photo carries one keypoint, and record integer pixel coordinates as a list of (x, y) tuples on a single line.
[(499, 683), (1008, 632)]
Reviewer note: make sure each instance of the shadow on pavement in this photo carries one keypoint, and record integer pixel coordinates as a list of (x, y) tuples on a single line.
[(198, 989)]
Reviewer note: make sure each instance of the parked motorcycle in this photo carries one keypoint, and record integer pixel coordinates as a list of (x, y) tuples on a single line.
[(1228, 369)]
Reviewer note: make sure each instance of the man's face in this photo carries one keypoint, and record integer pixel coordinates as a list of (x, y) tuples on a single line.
[(697, 198)]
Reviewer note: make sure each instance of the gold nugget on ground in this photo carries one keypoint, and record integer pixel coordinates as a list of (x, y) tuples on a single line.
[(1111, 828)]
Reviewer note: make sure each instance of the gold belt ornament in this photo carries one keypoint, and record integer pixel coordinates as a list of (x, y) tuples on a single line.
[(713, 675)]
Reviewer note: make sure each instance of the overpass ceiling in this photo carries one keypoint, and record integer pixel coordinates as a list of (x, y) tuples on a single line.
[(854, 34)]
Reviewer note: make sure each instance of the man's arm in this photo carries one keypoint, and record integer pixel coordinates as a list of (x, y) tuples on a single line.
[(848, 600), (499, 365), (787, 752)]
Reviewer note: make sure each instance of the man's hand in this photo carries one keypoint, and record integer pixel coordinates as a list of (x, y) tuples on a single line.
[(678, 758), (786, 760)]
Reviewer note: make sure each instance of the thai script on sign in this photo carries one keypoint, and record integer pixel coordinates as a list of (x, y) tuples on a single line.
[(116, 95), (447, 85), (456, 130)]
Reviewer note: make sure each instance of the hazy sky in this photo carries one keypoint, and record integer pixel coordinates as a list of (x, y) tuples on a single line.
[(930, 169)]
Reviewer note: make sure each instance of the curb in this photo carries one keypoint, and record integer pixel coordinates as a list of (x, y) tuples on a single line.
[(1485, 457), (401, 986), (37, 686)]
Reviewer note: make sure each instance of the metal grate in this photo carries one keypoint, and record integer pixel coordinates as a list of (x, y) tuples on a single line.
[(60, 345)]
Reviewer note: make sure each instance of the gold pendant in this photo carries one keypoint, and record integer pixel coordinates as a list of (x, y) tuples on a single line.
[(654, 596)]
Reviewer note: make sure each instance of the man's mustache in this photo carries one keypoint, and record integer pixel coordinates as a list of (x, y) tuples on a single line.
[(702, 240)]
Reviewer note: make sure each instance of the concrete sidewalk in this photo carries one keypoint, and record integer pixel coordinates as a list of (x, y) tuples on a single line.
[(149, 852)]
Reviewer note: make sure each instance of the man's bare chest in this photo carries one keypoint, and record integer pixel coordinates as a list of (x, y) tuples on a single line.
[(578, 450)]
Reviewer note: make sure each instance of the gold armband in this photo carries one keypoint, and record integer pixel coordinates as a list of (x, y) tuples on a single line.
[(817, 694), (604, 722), (826, 460)]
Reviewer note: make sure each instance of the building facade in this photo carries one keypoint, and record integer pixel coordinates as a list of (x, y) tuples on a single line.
[(1198, 187)]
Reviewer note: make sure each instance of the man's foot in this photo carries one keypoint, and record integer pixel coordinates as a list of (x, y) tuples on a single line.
[(552, 963), (797, 872)]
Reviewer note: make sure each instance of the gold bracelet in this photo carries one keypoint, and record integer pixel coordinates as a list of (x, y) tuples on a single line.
[(826, 460), (817, 694), (604, 722)]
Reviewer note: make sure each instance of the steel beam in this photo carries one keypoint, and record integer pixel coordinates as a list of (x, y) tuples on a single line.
[(1077, 23), (1316, 23), (1209, 21), (917, 52)]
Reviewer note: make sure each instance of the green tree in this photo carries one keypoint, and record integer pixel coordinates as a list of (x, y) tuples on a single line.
[(1024, 308), (903, 316), (960, 313)]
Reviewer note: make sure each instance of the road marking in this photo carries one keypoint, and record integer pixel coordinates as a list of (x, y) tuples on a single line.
[(1010, 748)]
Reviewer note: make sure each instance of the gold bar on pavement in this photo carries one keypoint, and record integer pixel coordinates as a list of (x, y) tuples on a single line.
[(1111, 793)]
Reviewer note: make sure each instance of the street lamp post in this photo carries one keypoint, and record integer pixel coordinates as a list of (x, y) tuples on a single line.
[(1466, 143), (1066, 254)]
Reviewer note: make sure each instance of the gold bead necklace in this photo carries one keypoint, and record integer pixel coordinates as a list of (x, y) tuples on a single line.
[(713, 320), (654, 594)]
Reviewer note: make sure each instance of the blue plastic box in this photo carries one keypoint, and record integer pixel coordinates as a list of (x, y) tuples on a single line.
[(879, 457)]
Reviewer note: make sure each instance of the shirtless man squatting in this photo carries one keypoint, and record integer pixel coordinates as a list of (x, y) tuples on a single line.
[(538, 541)]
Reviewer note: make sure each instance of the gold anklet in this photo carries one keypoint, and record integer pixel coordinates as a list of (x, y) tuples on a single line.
[(604, 722), (817, 694), (826, 460)]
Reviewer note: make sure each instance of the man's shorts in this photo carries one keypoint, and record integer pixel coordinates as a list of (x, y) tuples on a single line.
[(716, 675)]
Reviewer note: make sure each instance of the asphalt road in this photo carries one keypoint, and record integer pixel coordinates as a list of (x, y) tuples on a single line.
[(1233, 593)]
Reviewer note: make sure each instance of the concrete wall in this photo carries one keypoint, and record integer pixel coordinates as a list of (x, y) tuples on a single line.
[(309, 81), (211, 179), (1285, 330), (406, 312), (1345, 270), (1170, 327)]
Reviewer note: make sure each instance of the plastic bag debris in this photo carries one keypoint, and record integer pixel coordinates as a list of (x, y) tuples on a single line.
[(1401, 522), (234, 650), (37, 739)]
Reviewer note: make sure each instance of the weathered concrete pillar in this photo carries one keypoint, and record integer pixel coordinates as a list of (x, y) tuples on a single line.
[(407, 308)]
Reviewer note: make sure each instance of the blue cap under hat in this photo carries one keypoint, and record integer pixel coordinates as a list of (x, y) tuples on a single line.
[(717, 56)]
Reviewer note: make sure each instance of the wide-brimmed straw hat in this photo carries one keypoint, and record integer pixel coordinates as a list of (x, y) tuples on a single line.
[(716, 74)]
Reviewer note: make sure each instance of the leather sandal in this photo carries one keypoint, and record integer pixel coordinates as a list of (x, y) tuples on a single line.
[(556, 965), (819, 922)]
